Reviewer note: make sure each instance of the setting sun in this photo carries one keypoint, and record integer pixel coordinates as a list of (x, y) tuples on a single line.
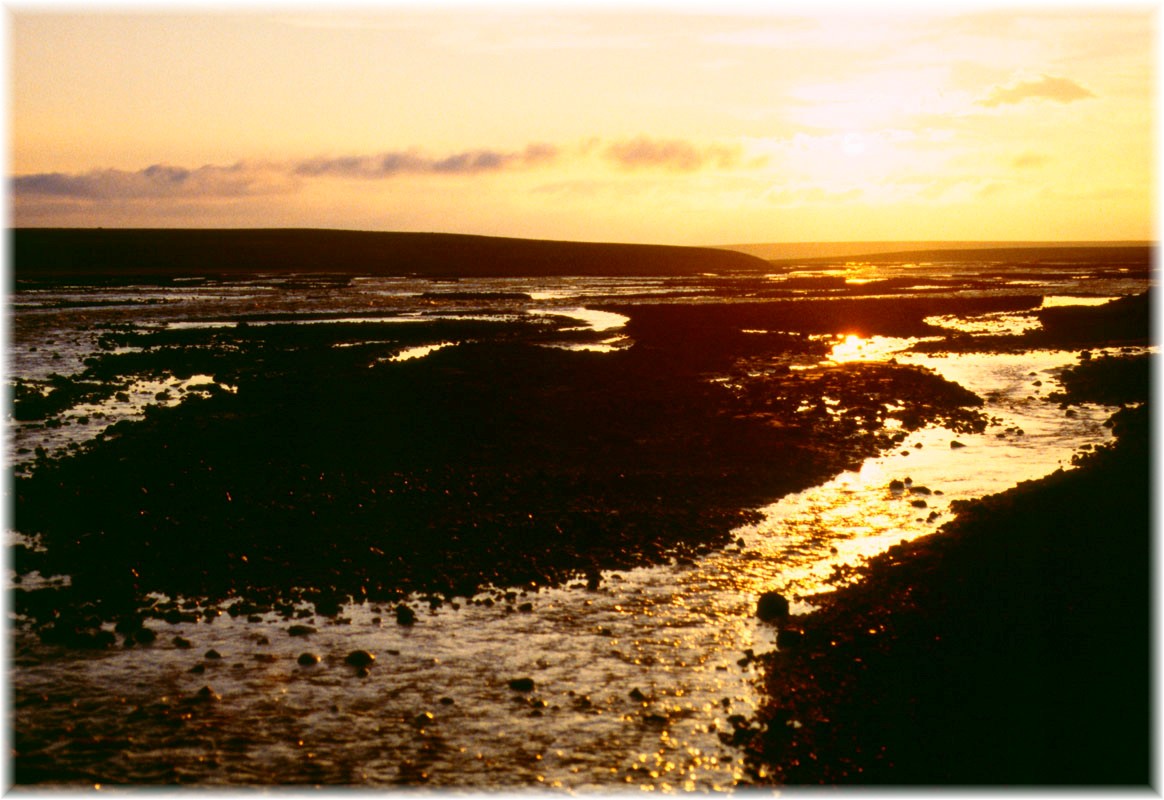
[(692, 127)]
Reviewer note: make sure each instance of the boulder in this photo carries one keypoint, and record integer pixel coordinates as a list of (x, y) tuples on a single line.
[(360, 658), (772, 606)]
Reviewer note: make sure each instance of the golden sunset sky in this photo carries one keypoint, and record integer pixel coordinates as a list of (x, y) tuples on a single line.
[(697, 123)]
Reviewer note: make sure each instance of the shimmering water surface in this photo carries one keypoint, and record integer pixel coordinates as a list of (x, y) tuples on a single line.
[(633, 682)]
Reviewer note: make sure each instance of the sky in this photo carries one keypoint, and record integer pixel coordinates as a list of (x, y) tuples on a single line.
[(685, 123)]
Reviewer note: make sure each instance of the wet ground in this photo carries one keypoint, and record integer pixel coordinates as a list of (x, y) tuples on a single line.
[(567, 485)]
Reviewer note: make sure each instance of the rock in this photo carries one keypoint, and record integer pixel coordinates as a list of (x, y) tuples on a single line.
[(301, 630), (522, 684), (360, 658), (405, 615), (919, 490), (207, 694), (918, 503), (896, 486), (525, 608), (328, 607), (144, 636), (772, 606), (422, 719), (954, 445), (789, 637), (212, 654), (182, 643), (307, 659), (637, 695), (446, 701)]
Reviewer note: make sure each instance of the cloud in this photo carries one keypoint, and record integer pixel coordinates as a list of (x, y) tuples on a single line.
[(387, 165), (158, 181), (247, 179), (1029, 160), (674, 155), (1047, 87)]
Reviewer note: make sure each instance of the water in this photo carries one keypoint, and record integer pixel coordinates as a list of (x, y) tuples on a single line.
[(635, 683)]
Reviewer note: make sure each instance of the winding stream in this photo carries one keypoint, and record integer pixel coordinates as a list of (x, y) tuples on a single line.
[(632, 683)]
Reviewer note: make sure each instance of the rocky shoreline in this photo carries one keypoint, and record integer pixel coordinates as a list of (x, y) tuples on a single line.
[(1011, 648)]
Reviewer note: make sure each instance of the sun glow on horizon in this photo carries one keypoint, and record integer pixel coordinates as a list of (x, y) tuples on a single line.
[(686, 128)]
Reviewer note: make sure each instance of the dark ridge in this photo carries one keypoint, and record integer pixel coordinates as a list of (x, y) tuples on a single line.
[(1138, 254), (785, 251), (75, 252)]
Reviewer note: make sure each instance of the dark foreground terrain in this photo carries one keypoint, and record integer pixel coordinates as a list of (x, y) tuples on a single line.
[(1010, 648), (497, 462)]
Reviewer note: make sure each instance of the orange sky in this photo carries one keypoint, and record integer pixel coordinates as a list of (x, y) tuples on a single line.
[(710, 124)]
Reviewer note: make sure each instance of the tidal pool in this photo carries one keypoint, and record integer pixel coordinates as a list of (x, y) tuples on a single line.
[(635, 682)]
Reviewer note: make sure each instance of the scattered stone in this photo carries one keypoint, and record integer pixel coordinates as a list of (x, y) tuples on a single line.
[(525, 608), (182, 643), (212, 654), (207, 694), (918, 503), (327, 607), (307, 659), (422, 719), (789, 637), (446, 701), (522, 684), (405, 615), (301, 630), (954, 445), (637, 695), (197, 669), (360, 658), (772, 606), (896, 486), (144, 636)]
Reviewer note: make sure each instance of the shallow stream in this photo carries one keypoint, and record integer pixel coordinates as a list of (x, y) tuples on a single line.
[(633, 682)]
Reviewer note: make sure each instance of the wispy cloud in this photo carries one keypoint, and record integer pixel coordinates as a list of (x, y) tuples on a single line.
[(387, 165), (675, 155), (246, 179), (1029, 161), (1047, 87), (158, 181)]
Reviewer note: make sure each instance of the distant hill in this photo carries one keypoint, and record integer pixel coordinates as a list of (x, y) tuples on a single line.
[(52, 252), (788, 251)]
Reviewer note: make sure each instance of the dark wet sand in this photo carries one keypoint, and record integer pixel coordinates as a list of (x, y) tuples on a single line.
[(1011, 648)]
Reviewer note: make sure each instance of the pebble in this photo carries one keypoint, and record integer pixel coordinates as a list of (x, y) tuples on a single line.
[(360, 658)]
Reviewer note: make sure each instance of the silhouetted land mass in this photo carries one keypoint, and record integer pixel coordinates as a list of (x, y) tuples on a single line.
[(1010, 648), (1069, 256), (784, 251), (112, 252)]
